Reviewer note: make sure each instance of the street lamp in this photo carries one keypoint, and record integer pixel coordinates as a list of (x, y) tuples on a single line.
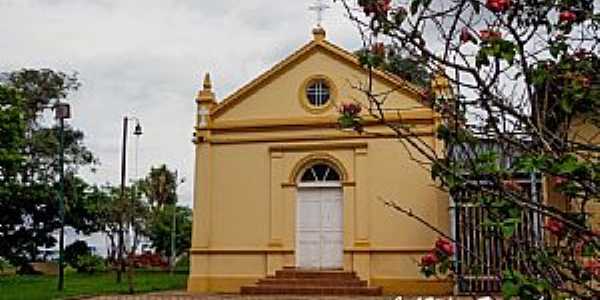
[(137, 132), (62, 111), (174, 224)]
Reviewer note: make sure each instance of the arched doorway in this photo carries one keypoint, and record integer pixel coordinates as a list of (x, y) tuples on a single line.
[(319, 218)]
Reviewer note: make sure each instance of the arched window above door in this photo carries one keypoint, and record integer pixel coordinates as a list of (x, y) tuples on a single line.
[(320, 173)]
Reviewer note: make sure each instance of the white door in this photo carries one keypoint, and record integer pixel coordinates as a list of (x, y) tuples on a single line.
[(320, 236)]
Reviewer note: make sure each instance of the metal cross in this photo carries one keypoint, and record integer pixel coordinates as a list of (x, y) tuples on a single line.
[(319, 8)]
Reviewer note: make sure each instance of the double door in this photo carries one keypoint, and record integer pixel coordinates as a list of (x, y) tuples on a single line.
[(319, 235)]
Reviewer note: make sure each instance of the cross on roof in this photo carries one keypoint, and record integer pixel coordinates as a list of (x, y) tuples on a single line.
[(319, 7)]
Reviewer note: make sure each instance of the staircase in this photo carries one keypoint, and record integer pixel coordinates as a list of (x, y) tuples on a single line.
[(292, 281)]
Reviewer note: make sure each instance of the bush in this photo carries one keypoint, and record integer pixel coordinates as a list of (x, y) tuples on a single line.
[(148, 260), (4, 265), (90, 264), (183, 264), (28, 269), (74, 251)]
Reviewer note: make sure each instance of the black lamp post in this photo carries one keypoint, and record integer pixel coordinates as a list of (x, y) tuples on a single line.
[(62, 111), (137, 132)]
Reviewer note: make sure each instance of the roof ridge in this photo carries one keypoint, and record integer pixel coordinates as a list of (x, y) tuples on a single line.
[(248, 86)]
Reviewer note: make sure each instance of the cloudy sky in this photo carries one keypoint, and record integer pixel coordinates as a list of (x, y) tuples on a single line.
[(145, 58)]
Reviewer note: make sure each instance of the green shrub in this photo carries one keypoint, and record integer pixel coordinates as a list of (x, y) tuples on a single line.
[(183, 264), (74, 251), (90, 264), (4, 265)]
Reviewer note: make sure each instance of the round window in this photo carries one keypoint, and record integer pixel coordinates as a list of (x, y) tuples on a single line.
[(318, 93)]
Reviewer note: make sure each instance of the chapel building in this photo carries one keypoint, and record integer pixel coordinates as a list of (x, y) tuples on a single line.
[(280, 188)]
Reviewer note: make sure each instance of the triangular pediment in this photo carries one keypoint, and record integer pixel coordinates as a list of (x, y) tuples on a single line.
[(277, 93)]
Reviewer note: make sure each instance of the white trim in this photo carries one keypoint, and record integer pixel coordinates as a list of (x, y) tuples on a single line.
[(323, 184)]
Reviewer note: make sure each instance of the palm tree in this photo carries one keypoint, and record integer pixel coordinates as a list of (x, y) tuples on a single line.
[(160, 187)]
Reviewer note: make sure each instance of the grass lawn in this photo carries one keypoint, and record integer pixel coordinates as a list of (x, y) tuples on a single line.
[(44, 287)]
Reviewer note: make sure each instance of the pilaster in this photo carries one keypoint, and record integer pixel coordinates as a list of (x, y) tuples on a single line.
[(362, 200)]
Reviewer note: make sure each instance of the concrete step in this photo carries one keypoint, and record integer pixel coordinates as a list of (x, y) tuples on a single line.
[(310, 290), (322, 274), (312, 282)]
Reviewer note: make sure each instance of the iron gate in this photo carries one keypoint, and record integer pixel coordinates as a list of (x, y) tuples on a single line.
[(480, 259)]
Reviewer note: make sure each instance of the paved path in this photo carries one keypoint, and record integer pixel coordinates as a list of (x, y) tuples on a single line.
[(186, 296)]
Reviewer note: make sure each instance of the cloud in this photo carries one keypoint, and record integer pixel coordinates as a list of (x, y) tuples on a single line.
[(147, 58)]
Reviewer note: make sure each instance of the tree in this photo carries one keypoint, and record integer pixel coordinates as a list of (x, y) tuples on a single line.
[(160, 187), (105, 201), (115, 212), (30, 199), (397, 61), (169, 225), (159, 230), (12, 133), (514, 80)]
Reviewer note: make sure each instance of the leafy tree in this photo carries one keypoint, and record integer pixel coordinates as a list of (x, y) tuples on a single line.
[(30, 168), (108, 213), (41, 88), (516, 82), (12, 139), (397, 61), (159, 230), (160, 187), (114, 213)]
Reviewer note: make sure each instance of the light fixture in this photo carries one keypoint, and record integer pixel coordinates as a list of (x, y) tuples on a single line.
[(138, 129), (62, 111)]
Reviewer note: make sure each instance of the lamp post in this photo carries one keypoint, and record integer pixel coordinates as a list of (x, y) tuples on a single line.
[(174, 224), (137, 132), (62, 111)]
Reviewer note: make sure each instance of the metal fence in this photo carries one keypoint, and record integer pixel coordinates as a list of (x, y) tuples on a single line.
[(483, 250)]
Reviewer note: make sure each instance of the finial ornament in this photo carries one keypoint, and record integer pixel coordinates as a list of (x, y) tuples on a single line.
[(206, 95), (319, 7), (207, 83)]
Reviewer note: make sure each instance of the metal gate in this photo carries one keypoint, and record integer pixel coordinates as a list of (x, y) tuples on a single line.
[(480, 259)]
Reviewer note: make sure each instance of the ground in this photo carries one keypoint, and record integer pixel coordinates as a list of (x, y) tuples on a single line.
[(78, 285), (89, 287), (185, 296)]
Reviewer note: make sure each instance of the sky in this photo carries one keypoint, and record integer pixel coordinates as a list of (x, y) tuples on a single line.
[(147, 58)]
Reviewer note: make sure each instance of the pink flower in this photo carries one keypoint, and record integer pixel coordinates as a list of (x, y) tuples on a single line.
[(559, 180), (378, 49), (429, 259), (466, 36), (512, 185), (581, 53), (350, 109), (592, 266), (489, 35), (498, 6), (567, 16), (555, 226), (377, 7), (444, 246)]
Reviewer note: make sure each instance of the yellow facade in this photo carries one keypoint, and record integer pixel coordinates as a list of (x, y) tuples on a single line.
[(252, 147)]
